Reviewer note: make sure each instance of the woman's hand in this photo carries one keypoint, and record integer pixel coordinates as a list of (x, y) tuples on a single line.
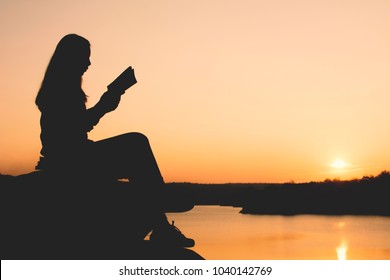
[(109, 101)]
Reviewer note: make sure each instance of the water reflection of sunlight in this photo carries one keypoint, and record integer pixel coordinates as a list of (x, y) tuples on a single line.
[(342, 251), (340, 225)]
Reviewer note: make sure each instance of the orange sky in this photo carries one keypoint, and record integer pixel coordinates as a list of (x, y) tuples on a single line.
[(228, 91)]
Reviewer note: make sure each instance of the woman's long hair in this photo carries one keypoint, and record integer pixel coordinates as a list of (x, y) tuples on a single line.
[(63, 75)]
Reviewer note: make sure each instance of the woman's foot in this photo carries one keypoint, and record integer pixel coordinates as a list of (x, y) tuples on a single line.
[(170, 235)]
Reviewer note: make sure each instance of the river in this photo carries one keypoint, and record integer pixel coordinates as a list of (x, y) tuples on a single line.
[(222, 233)]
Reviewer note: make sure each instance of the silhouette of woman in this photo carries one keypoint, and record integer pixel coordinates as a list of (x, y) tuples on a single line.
[(65, 122)]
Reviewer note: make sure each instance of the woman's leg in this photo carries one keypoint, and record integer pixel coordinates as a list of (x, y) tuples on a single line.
[(130, 156)]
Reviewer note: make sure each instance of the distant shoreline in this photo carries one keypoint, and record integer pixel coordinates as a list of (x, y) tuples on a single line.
[(366, 196)]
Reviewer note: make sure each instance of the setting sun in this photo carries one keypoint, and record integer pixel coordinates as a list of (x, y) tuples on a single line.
[(339, 164)]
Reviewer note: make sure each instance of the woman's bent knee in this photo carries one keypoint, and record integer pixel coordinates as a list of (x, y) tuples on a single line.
[(135, 137)]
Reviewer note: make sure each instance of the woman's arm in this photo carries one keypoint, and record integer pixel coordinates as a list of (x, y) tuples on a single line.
[(107, 103), (110, 99)]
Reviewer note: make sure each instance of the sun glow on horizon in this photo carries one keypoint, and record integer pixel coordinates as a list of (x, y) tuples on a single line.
[(339, 164)]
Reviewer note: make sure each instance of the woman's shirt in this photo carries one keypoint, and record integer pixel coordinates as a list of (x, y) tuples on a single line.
[(64, 127)]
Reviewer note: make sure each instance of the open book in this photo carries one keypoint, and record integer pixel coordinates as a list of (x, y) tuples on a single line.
[(123, 81)]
